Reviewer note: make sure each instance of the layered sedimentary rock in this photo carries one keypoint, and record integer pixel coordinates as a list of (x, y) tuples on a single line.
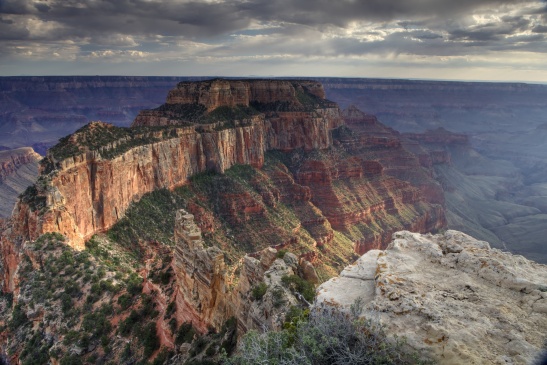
[(400, 157), (18, 169), (88, 192), (215, 93), (439, 136), (208, 294), (505, 124), (451, 296)]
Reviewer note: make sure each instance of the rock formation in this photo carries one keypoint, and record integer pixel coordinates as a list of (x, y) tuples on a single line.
[(215, 93), (451, 296), (18, 169), (208, 294), (88, 192), (312, 186)]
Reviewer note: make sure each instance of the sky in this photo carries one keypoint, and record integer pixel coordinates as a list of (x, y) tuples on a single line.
[(495, 40)]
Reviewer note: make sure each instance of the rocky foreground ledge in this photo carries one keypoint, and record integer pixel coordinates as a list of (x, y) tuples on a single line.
[(451, 296)]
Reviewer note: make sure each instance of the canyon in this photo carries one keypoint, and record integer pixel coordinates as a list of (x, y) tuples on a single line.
[(277, 192), (495, 185), (504, 157), (208, 216), (18, 169), (37, 111)]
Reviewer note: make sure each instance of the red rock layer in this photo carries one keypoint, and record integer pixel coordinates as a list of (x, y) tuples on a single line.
[(215, 93), (399, 156), (89, 193)]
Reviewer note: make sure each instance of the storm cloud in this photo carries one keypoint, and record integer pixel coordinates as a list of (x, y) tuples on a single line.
[(239, 37)]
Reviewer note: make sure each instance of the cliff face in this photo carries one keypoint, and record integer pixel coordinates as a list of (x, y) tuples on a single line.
[(451, 296), (12, 160), (18, 169), (217, 93), (87, 193)]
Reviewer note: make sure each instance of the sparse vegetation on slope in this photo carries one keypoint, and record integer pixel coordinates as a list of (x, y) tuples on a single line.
[(110, 140), (325, 337)]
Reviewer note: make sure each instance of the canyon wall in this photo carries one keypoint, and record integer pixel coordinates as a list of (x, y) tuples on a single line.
[(87, 193), (18, 169), (215, 93)]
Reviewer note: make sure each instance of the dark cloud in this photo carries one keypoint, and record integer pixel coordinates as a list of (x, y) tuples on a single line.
[(43, 8), (491, 31), (339, 13), (540, 29), (14, 7), (267, 29), (427, 35), (197, 18)]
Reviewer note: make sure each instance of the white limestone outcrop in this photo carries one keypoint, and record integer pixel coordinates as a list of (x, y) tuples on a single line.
[(450, 295)]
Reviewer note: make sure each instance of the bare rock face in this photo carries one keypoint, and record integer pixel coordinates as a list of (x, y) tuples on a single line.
[(295, 113), (201, 276), (215, 93), (451, 296), (89, 190), (208, 294)]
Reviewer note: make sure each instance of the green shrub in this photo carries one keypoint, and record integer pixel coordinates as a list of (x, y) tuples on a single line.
[(134, 284), (198, 346), (300, 285), (278, 297), (71, 337), (128, 324), (35, 351), (125, 301), (96, 324), (185, 334), (18, 317), (66, 303), (281, 253), (71, 360), (149, 339), (171, 308), (259, 291)]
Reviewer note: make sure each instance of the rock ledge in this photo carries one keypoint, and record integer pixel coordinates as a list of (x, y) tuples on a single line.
[(450, 295)]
